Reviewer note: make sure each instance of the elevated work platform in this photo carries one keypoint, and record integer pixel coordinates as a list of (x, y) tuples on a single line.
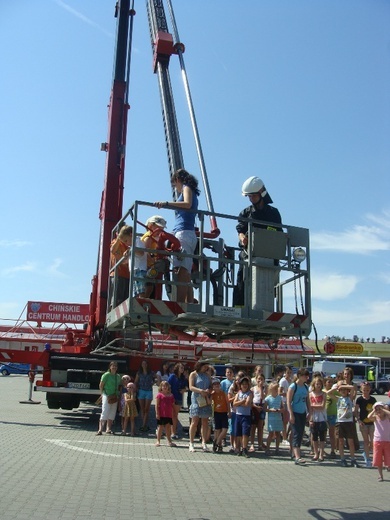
[(276, 284)]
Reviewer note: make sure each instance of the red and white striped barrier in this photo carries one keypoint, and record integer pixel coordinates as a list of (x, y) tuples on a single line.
[(297, 320)]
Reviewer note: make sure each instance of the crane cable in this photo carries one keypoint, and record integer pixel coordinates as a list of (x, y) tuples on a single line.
[(296, 307), (129, 51)]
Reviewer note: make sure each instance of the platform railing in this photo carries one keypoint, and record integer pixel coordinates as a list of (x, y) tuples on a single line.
[(276, 281)]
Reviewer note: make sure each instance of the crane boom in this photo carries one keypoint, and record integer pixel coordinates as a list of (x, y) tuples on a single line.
[(112, 197)]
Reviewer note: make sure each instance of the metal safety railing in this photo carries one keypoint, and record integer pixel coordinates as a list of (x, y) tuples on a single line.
[(273, 275)]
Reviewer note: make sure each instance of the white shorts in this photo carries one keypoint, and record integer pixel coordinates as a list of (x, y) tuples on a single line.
[(188, 241), (108, 410)]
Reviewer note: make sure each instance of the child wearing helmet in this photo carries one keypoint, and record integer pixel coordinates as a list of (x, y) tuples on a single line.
[(144, 261)]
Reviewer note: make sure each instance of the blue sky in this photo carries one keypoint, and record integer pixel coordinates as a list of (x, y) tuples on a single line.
[(296, 92)]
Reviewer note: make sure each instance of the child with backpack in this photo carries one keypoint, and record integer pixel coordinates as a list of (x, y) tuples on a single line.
[(298, 406)]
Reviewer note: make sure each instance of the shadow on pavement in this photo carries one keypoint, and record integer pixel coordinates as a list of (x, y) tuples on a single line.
[(348, 514)]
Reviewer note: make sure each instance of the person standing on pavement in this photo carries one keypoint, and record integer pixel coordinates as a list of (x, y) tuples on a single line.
[(258, 413), (381, 417), (243, 405), (110, 388), (298, 405), (274, 407), (284, 383), (345, 425), (144, 381), (363, 406), (225, 386), (164, 412), (331, 415), (221, 408), (348, 378), (200, 409), (178, 387), (318, 419)]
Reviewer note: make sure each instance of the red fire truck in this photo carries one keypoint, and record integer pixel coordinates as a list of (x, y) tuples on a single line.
[(268, 327)]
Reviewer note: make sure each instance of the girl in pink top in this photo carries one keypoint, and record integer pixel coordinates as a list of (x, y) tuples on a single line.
[(381, 416), (165, 402)]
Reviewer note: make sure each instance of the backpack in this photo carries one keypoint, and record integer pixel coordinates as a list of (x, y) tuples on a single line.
[(295, 389)]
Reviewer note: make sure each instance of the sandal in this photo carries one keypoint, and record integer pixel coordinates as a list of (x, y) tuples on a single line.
[(315, 458), (157, 444), (252, 448), (172, 444), (380, 479), (99, 433), (320, 459), (109, 432)]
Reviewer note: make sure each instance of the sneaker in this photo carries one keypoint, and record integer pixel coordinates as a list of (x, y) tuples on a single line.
[(175, 437), (332, 455), (215, 447), (354, 463), (300, 461), (285, 443), (245, 453), (368, 463), (239, 453), (344, 463), (205, 448), (220, 449), (191, 448)]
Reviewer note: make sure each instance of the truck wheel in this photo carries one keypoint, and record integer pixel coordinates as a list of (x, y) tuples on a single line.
[(52, 401), (52, 404), (380, 390)]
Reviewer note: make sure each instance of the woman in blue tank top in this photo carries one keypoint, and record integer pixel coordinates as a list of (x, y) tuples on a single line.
[(186, 186)]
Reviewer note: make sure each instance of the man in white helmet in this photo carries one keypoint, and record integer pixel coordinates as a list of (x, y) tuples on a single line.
[(260, 209)]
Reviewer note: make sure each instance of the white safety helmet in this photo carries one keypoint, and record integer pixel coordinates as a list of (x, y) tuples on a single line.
[(156, 219), (254, 185)]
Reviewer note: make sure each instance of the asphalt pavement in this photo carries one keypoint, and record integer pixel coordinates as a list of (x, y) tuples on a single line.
[(55, 467)]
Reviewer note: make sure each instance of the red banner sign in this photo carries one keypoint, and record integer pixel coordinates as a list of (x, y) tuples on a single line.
[(58, 312)]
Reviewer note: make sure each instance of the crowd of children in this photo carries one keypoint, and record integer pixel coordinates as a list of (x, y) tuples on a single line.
[(238, 406)]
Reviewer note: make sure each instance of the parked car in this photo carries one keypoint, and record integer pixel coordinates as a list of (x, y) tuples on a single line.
[(382, 386), (14, 368)]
